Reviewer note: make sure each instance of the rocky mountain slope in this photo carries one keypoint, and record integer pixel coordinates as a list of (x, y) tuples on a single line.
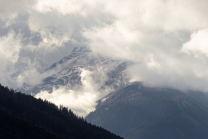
[(141, 112), (67, 71)]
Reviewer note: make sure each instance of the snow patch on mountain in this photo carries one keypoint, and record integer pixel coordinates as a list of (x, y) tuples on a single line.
[(80, 79)]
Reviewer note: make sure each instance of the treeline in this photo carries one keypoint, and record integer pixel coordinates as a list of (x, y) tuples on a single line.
[(33, 116), (16, 128)]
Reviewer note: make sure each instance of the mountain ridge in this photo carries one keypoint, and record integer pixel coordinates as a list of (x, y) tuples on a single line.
[(141, 112), (67, 71)]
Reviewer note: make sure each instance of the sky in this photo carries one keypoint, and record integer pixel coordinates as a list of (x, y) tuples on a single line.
[(166, 39)]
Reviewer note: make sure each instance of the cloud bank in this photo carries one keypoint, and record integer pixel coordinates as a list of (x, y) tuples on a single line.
[(166, 39), (83, 100)]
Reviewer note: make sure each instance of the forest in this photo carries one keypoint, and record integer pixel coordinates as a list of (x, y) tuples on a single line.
[(23, 116)]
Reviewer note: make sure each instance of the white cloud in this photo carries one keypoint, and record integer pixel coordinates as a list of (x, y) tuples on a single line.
[(31, 73), (179, 71), (84, 8), (63, 6), (11, 8), (50, 42), (111, 41), (172, 15), (198, 44), (153, 64), (31, 77), (83, 100), (81, 103), (152, 34), (10, 47), (167, 38)]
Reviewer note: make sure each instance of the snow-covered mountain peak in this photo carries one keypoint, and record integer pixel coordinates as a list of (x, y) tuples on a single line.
[(64, 79), (75, 54)]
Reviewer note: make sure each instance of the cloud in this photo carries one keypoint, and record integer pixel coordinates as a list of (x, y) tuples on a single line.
[(168, 71), (64, 6), (113, 39), (81, 103), (173, 15), (198, 44), (83, 100), (166, 39), (50, 42), (30, 75), (11, 8), (10, 47), (154, 35)]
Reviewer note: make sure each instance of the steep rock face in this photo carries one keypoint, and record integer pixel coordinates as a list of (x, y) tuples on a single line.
[(67, 71), (139, 112)]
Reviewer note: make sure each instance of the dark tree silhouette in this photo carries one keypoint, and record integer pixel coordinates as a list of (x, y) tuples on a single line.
[(41, 116)]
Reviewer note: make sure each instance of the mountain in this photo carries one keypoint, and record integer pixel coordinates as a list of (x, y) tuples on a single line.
[(67, 71), (23, 116), (141, 112)]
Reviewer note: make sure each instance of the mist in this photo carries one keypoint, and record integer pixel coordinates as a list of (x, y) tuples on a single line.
[(165, 39), (83, 99)]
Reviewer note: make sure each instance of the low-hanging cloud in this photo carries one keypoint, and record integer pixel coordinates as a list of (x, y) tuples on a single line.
[(163, 37), (10, 47), (166, 39), (83, 100), (82, 103)]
